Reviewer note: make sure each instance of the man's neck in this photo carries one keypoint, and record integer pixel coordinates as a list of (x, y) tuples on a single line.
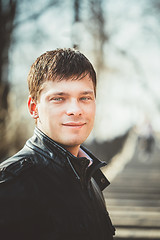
[(73, 150)]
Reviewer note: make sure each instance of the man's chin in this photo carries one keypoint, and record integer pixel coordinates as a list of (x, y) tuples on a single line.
[(71, 144)]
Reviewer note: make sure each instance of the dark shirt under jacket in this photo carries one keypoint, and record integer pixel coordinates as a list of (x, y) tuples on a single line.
[(46, 193)]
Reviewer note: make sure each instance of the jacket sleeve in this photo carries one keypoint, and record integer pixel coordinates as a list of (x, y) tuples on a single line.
[(18, 204)]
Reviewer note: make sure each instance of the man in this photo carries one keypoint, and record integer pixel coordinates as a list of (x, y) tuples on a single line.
[(51, 189)]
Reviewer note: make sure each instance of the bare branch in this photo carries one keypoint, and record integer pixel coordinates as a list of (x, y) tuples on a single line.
[(37, 14)]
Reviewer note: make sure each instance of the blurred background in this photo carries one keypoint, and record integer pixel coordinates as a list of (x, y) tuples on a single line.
[(122, 40)]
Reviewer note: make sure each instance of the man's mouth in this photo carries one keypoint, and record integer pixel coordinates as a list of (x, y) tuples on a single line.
[(74, 124)]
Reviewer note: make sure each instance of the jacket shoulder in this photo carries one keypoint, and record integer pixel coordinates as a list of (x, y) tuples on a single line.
[(15, 166)]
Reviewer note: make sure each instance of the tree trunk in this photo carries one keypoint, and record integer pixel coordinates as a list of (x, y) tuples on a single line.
[(7, 14)]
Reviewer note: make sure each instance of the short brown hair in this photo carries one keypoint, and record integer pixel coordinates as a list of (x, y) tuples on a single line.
[(58, 65)]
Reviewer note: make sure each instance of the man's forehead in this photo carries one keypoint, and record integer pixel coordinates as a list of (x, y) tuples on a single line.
[(63, 82)]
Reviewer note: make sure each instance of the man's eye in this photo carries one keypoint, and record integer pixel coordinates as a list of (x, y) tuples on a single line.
[(57, 99), (85, 98)]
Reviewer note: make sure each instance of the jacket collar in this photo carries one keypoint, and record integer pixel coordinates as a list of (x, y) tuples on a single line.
[(80, 167)]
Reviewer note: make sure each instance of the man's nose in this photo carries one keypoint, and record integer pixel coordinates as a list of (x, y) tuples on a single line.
[(74, 108)]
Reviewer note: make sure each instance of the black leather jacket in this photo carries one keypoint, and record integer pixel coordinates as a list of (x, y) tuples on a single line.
[(48, 194)]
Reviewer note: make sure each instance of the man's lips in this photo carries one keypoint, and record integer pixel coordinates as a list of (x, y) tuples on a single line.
[(74, 124)]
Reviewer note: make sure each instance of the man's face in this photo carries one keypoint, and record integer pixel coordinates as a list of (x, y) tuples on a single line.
[(66, 111)]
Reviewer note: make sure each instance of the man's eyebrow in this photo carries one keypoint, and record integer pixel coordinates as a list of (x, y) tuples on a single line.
[(87, 92), (59, 93), (67, 94)]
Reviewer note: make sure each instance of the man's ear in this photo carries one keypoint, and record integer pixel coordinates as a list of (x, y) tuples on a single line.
[(32, 107)]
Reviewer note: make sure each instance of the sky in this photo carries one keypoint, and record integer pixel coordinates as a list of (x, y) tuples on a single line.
[(128, 87)]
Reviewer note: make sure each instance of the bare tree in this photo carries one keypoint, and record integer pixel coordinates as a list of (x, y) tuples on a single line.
[(97, 24), (7, 15), (76, 18), (8, 23)]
